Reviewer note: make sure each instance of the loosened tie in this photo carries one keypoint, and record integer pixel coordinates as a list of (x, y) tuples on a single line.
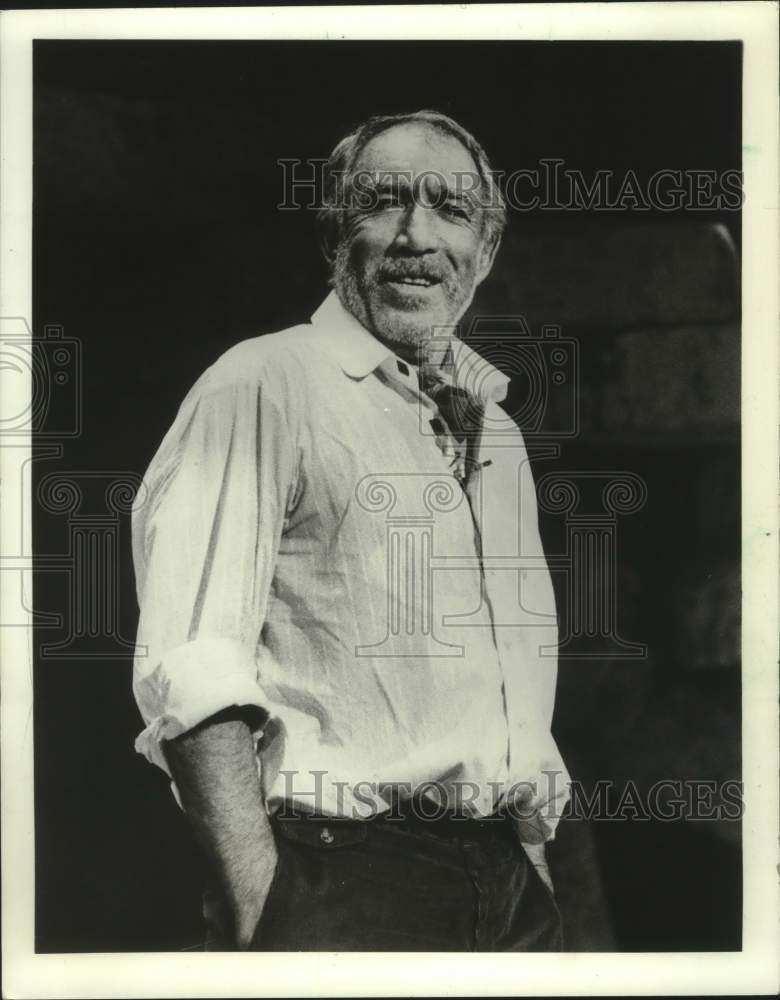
[(463, 416)]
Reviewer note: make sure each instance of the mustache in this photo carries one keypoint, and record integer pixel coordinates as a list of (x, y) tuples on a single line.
[(398, 270)]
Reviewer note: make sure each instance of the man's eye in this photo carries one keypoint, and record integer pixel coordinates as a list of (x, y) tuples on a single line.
[(457, 211), (389, 201)]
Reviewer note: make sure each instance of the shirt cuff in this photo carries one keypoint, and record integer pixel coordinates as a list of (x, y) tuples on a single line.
[(541, 821), (537, 806), (189, 685)]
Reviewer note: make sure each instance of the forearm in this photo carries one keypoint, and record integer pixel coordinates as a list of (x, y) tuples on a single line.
[(215, 770)]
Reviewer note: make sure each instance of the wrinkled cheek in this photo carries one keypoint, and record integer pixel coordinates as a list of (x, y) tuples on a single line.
[(364, 263), (457, 290)]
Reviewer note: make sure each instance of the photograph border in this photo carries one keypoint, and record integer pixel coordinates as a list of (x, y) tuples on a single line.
[(754, 970)]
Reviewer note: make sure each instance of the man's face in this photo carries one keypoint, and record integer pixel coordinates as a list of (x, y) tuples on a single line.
[(411, 259)]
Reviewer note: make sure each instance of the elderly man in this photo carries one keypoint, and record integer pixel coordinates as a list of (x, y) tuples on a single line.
[(347, 637)]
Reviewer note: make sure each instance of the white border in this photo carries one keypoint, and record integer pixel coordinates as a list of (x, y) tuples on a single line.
[(755, 970)]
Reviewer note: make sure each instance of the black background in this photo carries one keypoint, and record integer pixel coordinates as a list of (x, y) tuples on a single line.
[(158, 244)]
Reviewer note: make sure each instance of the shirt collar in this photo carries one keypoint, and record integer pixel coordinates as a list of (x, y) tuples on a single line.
[(356, 350), (359, 353)]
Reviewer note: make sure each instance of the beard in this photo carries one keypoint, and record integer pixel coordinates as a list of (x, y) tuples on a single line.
[(405, 324)]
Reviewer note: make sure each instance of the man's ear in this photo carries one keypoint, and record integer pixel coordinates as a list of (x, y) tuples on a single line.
[(328, 239), (326, 249), (487, 255)]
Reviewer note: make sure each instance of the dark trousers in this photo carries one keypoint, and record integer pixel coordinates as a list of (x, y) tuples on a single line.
[(385, 885)]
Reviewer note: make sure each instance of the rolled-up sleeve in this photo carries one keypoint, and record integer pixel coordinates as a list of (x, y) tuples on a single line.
[(206, 533)]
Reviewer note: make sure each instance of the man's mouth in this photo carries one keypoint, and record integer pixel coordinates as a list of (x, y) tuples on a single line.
[(415, 282)]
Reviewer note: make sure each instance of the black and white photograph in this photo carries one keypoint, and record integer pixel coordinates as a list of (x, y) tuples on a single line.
[(390, 526)]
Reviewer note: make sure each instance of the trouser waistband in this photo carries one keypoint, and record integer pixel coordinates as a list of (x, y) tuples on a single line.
[(425, 819)]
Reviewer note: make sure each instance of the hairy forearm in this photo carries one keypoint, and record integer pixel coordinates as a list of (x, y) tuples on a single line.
[(215, 770)]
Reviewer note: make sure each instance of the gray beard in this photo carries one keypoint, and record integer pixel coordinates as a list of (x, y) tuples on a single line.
[(403, 331)]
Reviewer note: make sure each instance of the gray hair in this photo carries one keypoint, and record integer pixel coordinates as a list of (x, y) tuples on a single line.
[(345, 155)]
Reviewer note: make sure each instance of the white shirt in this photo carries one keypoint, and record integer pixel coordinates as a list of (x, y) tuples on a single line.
[(303, 546)]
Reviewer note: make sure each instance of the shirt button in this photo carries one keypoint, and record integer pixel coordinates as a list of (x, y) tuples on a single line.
[(326, 836)]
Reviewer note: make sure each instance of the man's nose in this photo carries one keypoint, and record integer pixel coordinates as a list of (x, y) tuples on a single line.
[(417, 231)]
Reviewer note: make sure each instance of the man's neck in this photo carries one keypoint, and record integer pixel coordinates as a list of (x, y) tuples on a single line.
[(415, 351), (413, 354)]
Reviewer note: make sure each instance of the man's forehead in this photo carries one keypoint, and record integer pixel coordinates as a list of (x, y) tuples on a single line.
[(415, 148)]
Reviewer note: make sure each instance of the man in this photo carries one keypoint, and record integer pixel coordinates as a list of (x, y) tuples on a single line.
[(347, 635)]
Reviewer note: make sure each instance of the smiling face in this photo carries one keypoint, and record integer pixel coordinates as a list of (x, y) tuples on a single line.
[(413, 246)]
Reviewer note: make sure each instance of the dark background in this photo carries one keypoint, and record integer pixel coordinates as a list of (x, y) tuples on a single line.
[(157, 245)]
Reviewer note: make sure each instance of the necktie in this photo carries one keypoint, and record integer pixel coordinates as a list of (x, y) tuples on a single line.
[(463, 417)]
